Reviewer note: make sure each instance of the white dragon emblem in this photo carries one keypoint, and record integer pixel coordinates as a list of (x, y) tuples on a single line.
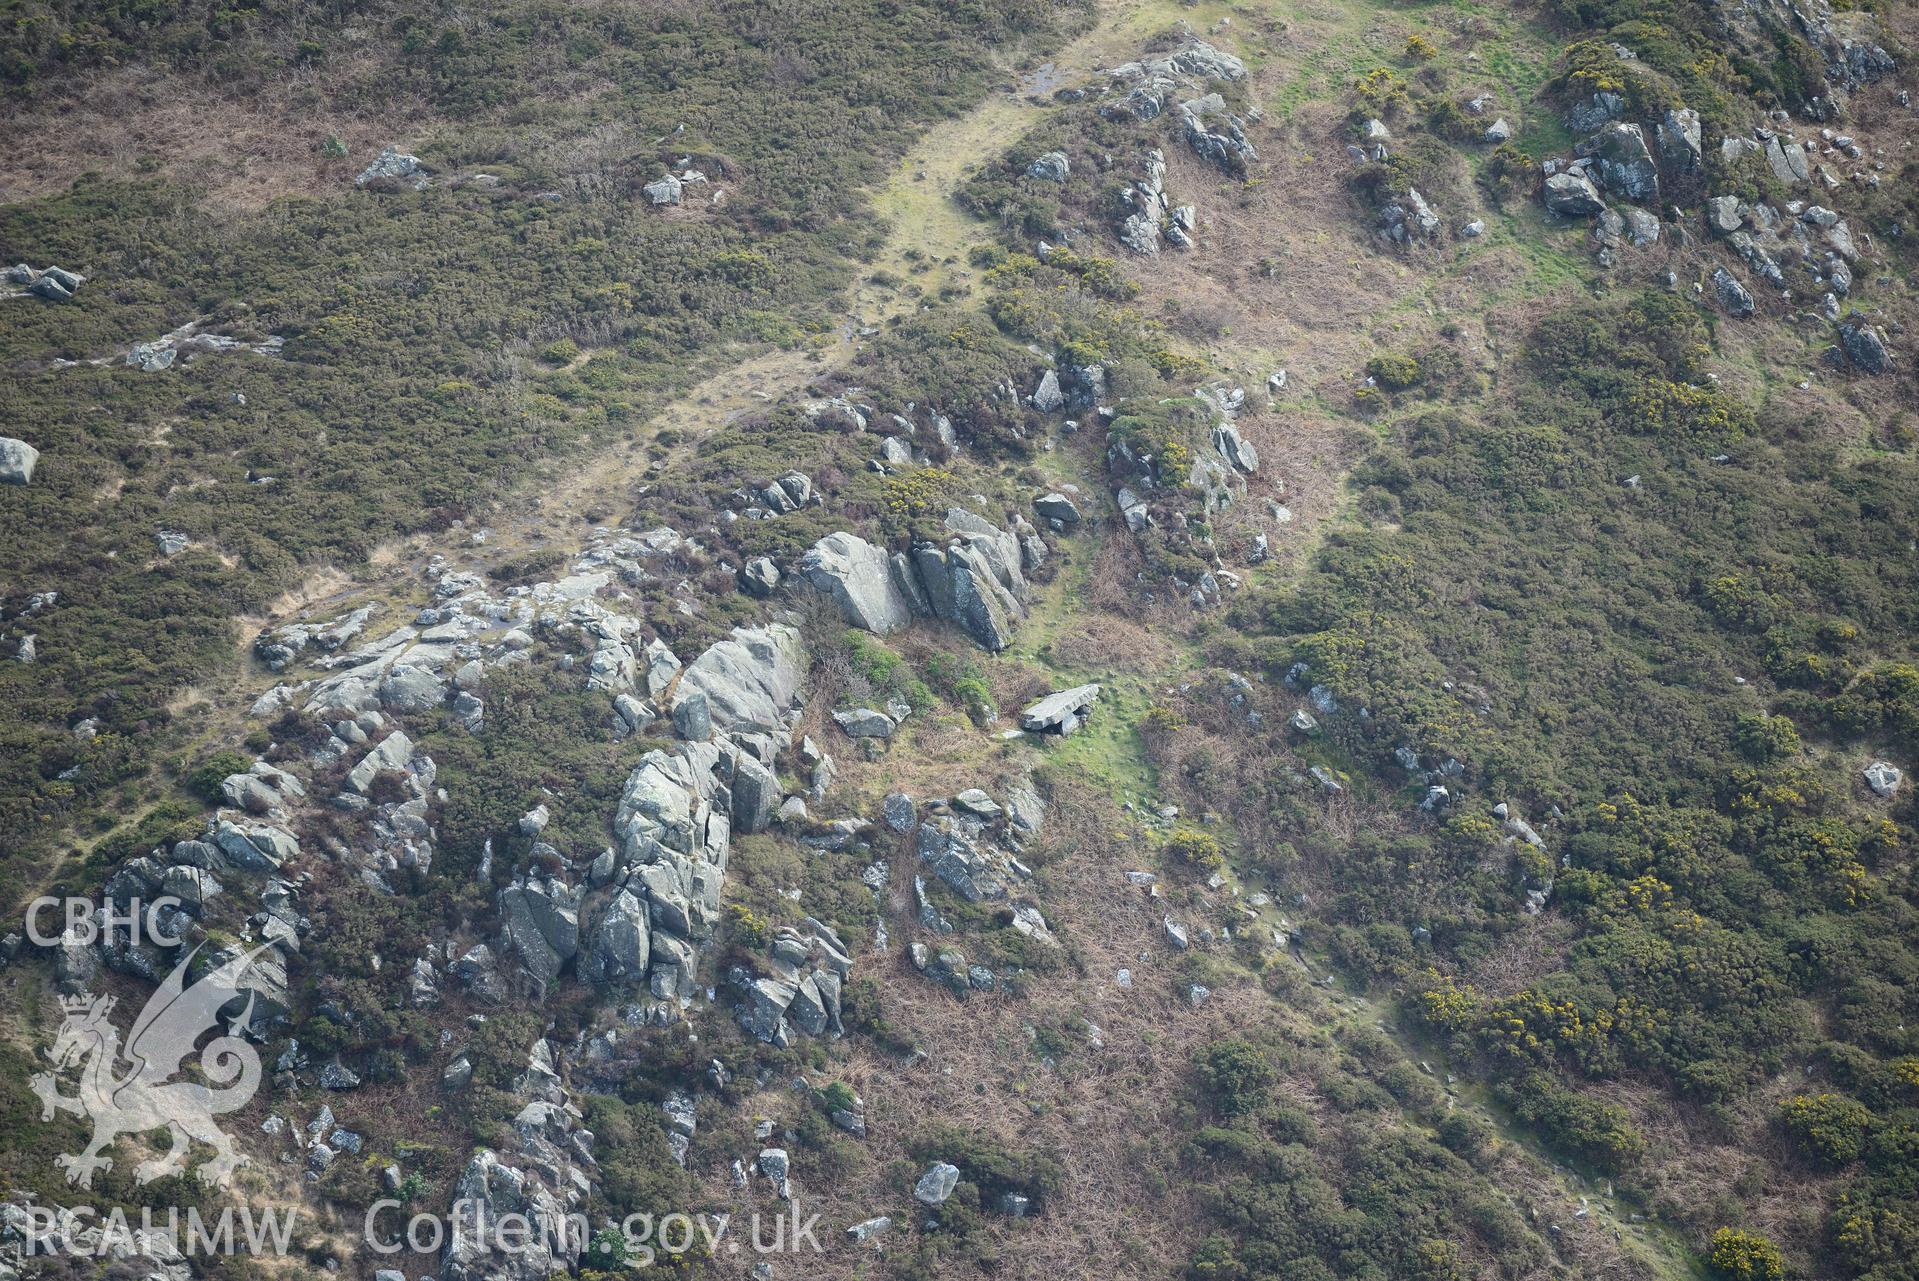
[(142, 1097)]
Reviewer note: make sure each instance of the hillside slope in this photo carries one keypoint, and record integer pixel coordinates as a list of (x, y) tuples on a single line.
[(573, 600)]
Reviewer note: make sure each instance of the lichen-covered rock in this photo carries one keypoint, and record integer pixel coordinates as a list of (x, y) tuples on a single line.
[(1625, 165), (1863, 346), (394, 166), (17, 461), (751, 680), (1678, 138), (1734, 298), (1572, 195), (1051, 167), (859, 578)]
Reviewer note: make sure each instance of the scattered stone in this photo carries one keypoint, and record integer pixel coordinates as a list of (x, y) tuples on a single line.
[(1572, 195), (760, 577), (1047, 397), (17, 460), (1051, 167), (394, 165), (1884, 778), (975, 801), (1061, 712), (1863, 346), (936, 1184), (1734, 298), (899, 812), (1057, 507), (864, 722)]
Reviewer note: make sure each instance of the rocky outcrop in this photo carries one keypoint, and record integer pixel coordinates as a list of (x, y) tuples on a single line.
[(1407, 218), (1734, 298), (1150, 83), (1572, 195), (1143, 229), (1678, 137), (972, 579), (750, 681), (1788, 160), (1843, 41), (1864, 349), (796, 985), (543, 1170), (859, 578), (1051, 167), (395, 168), (1591, 112), (1623, 163), (1216, 134)]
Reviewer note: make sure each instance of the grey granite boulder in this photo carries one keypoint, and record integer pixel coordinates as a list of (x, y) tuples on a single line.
[(859, 578), (1624, 163), (17, 460), (1733, 297), (1572, 195), (1863, 346), (937, 1184), (1061, 712)]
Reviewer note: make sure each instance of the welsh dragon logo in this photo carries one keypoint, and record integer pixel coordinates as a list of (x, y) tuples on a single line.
[(130, 1091)]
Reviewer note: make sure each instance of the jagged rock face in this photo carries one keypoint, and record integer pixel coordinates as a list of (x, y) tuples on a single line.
[(1863, 346), (618, 945), (957, 851), (751, 680), (677, 813), (1678, 137), (1733, 297), (545, 1180), (1624, 163), (756, 795), (972, 580), (540, 920), (805, 970), (1216, 134), (859, 578), (1572, 195)]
